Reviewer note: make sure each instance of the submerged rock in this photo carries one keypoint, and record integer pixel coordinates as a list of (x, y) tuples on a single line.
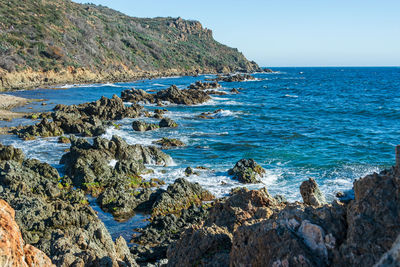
[(172, 95), (311, 194), (247, 171)]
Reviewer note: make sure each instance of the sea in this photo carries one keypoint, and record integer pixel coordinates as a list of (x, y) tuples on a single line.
[(333, 124)]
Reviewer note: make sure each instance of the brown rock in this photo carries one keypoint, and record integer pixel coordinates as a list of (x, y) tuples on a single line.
[(311, 194)]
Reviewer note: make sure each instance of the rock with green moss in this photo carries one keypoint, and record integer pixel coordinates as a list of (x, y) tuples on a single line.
[(141, 126), (168, 123), (64, 140), (178, 196), (247, 171)]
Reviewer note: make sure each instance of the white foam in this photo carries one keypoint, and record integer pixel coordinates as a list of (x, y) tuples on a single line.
[(291, 96), (112, 163)]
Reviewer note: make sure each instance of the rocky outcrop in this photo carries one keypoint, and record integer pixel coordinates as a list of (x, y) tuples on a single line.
[(54, 217), (311, 194), (259, 230), (163, 230), (167, 143), (247, 171), (203, 86), (111, 169), (178, 196), (171, 95), (235, 78), (392, 257), (89, 119), (13, 250)]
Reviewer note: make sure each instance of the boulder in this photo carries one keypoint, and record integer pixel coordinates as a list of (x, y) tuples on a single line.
[(167, 143), (311, 194), (168, 123), (142, 126), (247, 171), (203, 86)]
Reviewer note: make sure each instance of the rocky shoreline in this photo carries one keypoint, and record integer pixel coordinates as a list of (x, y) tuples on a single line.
[(187, 225)]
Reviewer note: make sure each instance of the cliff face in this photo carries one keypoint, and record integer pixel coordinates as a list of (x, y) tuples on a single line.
[(57, 41)]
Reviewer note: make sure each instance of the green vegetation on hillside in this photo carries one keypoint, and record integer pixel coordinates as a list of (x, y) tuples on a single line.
[(47, 35)]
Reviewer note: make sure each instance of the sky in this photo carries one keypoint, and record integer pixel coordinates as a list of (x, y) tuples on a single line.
[(279, 33)]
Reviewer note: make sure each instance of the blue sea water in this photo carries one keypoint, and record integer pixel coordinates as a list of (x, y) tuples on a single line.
[(332, 124)]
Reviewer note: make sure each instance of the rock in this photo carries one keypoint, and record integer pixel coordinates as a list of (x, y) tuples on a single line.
[(214, 92), (204, 246), (110, 170), (372, 219), (172, 95), (311, 194), (10, 153), (143, 126), (89, 119), (203, 86), (268, 70), (180, 195), (189, 171), (55, 217), (235, 78), (163, 231), (13, 250), (392, 257), (167, 143), (64, 140), (168, 123), (247, 171), (235, 91)]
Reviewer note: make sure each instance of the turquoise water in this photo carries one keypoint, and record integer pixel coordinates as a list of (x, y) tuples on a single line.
[(333, 124)]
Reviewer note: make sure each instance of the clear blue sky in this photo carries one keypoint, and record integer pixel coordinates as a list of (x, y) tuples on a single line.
[(290, 32)]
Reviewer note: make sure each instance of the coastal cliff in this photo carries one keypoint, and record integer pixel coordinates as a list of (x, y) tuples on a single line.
[(46, 42)]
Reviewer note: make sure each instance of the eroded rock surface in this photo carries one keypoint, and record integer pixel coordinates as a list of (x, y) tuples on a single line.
[(311, 194)]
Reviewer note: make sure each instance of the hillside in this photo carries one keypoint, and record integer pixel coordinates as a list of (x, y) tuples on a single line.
[(58, 41)]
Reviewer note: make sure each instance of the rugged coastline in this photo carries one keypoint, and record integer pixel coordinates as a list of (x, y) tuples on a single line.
[(248, 227)]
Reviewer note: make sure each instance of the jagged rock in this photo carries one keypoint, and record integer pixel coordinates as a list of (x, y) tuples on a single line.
[(172, 95), (13, 250), (10, 153), (142, 126), (235, 91), (89, 119), (201, 246), (203, 86), (163, 231), (180, 195), (372, 218), (167, 143), (111, 169), (247, 171), (167, 123), (311, 194), (55, 217), (215, 92)]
